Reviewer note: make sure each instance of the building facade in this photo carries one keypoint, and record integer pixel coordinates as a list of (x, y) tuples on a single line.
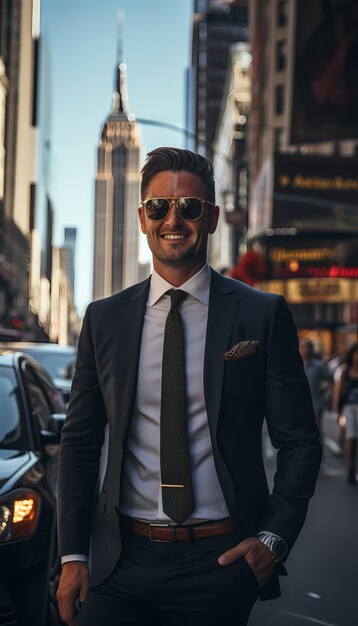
[(303, 210), (44, 213), (218, 94), (217, 25), (230, 161), (19, 32), (26, 211), (70, 245), (117, 197), (64, 323)]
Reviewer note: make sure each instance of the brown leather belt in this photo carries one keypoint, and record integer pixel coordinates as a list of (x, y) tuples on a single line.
[(164, 532)]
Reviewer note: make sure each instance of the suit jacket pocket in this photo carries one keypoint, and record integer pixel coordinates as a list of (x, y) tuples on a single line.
[(249, 572)]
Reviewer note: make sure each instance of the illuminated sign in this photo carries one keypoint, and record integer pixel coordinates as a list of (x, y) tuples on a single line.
[(345, 272), (315, 193), (323, 289), (316, 182), (280, 255), (295, 270), (298, 290), (320, 256)]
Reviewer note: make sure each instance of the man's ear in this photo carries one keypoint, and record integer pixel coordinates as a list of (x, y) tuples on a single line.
[(213, 219), (142, 220)]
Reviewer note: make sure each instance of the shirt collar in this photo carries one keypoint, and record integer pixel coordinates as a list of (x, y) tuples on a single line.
[(197, 286)]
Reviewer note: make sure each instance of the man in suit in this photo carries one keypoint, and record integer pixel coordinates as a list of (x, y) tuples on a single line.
[(182, 530)]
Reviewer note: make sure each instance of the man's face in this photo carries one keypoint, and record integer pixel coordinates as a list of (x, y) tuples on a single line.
[(174, 242)]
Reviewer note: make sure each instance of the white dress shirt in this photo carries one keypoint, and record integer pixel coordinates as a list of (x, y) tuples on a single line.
[(141, 494)]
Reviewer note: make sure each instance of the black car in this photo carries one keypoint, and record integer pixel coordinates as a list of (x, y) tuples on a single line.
[(31, 418), (58, 361)]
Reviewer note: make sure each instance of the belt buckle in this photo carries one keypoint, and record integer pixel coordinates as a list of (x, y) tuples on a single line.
[(151, 526)]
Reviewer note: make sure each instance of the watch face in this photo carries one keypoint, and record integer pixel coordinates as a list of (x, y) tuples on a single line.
[(280, 549)]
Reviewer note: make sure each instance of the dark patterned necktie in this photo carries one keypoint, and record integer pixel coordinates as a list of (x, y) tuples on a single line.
[(177, 489)]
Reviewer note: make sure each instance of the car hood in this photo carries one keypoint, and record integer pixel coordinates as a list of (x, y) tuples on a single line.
[(12, 462)]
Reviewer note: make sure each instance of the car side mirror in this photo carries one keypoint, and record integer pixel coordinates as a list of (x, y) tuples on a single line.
[(52, 434), (56, 422)]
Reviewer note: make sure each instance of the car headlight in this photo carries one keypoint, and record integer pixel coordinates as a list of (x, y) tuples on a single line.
[(19, 513)]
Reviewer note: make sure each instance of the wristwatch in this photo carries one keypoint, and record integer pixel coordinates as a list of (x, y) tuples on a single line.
[(276, 544)]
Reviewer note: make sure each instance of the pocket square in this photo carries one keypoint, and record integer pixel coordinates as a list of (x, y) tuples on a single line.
[(241, 349)]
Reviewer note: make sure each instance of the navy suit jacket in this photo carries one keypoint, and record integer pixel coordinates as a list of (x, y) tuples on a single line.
[(239, 394)]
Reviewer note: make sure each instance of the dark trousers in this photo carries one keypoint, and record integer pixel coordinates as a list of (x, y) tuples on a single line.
[(172, 584)]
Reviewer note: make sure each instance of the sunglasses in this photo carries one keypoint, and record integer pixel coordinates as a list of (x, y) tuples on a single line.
[(190, 209)]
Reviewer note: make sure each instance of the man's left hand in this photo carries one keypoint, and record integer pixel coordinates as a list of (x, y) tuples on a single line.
[(258, 556)]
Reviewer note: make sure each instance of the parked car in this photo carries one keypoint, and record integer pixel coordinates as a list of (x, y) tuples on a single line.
[(59, 361), (8, 334), (31, 418)]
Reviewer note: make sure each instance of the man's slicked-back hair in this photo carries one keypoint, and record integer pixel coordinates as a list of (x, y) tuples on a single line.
[(175, 160)]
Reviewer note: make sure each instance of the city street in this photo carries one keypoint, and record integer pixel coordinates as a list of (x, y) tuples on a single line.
[(178, 205), (321, 587)]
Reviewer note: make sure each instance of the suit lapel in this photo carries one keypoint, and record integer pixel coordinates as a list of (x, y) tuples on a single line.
[(127, 317), (129, 339), (223, 306)]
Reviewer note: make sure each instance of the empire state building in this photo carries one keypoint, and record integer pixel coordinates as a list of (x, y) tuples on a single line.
[(117, 197)]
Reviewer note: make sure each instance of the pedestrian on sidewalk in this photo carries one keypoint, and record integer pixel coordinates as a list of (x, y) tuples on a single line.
[(346, 404), (318, 376), (181, 370)]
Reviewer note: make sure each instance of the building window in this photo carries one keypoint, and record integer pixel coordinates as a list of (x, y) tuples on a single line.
[(203, 31), (202, 59), (34, 116), (202, 107), (279, 99), (281, 55), (282, 12)]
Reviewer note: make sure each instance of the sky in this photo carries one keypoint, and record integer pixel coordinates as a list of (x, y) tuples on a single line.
[(81, 38)]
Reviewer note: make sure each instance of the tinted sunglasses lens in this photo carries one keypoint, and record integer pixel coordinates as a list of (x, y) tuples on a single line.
[(190, 208), (157, 209)]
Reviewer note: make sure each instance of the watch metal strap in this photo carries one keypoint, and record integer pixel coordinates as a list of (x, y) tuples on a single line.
[(269, 540)]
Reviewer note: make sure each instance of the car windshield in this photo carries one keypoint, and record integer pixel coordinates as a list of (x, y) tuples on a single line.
[(13, 433), (57, 365)]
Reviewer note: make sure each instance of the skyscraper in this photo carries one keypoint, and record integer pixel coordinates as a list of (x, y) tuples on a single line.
[(19, 127), (117, 197), (217, 26), (70, 245), (214, 112)]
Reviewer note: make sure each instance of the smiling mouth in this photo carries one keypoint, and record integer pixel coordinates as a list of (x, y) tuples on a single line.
[(173, 237)]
